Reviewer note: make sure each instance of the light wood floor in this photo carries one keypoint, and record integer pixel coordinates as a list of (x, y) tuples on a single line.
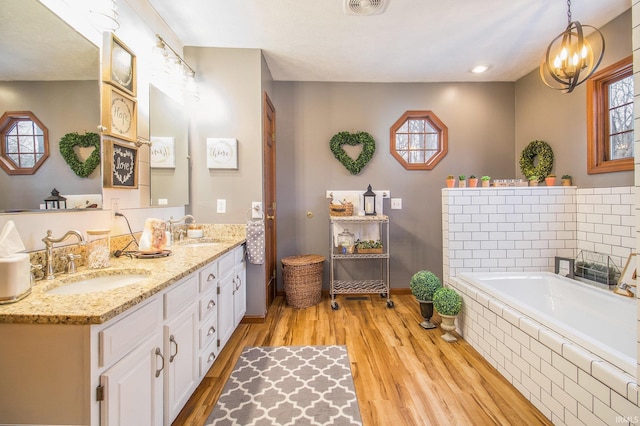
[(403, 374)]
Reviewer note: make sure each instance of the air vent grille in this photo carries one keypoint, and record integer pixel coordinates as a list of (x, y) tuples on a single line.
[(364, 7)]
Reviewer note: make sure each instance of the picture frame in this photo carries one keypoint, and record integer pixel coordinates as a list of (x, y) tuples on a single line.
[(222, 153), (118, 64), (120, 164), (162, 152), (629, 273), (119, 114)]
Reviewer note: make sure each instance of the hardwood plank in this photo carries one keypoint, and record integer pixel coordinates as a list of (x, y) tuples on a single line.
[(403, 374)]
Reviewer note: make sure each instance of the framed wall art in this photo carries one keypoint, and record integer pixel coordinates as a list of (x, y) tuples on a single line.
[(118, 64), (222, 153), (120, 164), (163, 152), (119, 114)]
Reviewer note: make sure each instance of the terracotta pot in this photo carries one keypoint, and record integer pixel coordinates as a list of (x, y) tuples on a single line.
[(550, 181), (448, 324), (451, 183), (473, 182)]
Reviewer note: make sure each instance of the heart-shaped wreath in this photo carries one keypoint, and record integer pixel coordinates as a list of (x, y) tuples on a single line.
[(70, 141), (368, 149)]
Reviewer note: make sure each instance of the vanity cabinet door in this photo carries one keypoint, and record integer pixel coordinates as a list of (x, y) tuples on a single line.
[(240, 295), (181, 360), (133, 387), (225, 308)]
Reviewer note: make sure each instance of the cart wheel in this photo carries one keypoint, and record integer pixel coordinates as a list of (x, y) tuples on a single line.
[(335, 306), (389, 303), (383, 295)]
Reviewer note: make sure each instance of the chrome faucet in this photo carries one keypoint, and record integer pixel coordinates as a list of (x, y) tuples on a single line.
[(173, 221), (49, 241), (624, 289)]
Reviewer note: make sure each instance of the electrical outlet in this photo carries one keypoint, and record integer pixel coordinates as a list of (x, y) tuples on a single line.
[(221, 205), (115, 206), (396, 203)]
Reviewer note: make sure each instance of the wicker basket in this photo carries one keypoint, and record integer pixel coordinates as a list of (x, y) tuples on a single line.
[(345, 209), (302, 276)]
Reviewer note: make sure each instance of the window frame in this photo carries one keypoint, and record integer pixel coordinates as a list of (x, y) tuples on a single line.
[(436, 123), (7, 121), (598, 118)]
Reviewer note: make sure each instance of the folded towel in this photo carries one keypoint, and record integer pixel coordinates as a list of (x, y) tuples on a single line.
[(255, 241)]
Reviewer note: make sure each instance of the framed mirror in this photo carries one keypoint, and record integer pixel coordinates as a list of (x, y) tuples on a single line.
[(48, 68), (169, 151)]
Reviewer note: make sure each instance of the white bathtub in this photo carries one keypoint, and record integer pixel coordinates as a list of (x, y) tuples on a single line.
[(601, 322)]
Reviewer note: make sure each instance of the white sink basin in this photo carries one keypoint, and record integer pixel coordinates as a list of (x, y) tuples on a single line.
[(92, 283)]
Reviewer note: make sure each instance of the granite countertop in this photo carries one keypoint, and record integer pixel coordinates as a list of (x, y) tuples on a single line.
[(99, 307)]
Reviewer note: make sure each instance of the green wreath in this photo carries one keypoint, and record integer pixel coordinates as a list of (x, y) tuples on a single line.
[(543, 151), (368, 148), (70, 141)]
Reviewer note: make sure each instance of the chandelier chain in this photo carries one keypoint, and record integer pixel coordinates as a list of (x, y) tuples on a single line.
[(568, 12)]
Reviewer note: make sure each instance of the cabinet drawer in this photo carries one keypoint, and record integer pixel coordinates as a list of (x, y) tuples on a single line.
[(207, 358), (181, 296), (208, 304), (225, 264), (118, 339), (209, 277), (208, 332)]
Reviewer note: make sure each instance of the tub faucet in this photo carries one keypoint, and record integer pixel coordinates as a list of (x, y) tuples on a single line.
[(569, 260), (49, 241), (624, 289), (173, 221)]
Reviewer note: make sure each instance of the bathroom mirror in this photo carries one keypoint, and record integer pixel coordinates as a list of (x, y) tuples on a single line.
[(168, 126), (48, 68)]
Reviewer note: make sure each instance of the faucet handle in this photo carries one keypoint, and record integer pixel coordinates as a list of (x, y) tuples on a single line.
[(37, 272), (71, 262)]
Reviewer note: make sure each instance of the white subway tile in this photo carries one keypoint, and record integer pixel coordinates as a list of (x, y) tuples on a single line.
[(613, 377), (578, 356), (551, 373), (522, 227), (539, 349), (542, 381), (564, 399), (623, 406), (588, 418), (603, 209), (594, 387), (565, 367), (604, 412)]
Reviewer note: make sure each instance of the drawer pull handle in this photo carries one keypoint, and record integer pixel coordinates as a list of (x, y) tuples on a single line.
[(173, 340), (211, 304), (159, 353), (211, 277), (211, 331), (212, 356)]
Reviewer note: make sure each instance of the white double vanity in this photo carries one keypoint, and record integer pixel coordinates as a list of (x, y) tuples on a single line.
[(127, 356)]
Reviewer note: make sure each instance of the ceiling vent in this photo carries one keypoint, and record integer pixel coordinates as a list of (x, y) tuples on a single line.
[(364, 7)]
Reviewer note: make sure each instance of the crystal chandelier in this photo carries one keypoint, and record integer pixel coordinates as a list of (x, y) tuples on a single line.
[(570, 58)]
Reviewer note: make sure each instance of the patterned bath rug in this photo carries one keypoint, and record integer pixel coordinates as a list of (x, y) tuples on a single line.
[(289, 385)]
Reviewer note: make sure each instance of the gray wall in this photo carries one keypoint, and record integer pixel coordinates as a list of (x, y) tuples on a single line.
[(479, 116), (561, 119), (62, 107)]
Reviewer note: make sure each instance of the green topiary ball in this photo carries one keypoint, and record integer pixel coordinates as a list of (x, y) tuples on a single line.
[(447, 301), (424, 284)]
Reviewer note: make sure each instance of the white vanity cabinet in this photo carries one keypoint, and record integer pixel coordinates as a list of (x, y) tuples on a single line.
[(232, 294)]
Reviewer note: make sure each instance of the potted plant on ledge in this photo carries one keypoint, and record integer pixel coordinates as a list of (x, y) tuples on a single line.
[(423, 285), (451, 181), (462, 181), (550, 180), (448, 303), (566, 180), (533, 181), (486, 181), (473, 181)]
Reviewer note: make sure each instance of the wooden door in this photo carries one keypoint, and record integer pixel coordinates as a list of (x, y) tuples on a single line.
[(269, 155)]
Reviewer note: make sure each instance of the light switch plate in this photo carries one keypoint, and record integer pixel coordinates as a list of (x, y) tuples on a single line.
[(221, 205), (396, 203)]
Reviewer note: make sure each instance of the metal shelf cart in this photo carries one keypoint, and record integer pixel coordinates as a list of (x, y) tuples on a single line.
[(381, 285)]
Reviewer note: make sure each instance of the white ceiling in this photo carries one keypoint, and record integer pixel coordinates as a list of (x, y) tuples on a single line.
[(412, 41)]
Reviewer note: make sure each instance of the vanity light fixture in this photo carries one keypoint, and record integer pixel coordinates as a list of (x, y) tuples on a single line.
[(570, 59), (104, 15), (174, 68), (369, 202)]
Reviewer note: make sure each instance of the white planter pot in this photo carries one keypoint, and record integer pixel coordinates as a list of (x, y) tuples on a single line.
[(448, 324)]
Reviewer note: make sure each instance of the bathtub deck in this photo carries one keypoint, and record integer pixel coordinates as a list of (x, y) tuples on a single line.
[(403, 375)]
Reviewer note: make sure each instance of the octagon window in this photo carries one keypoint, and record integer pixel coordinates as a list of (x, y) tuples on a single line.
[(25, 143), (418, 140)]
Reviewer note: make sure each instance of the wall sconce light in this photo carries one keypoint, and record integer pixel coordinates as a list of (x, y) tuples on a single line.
[(55, 201), (104, 15), (570, 58), (369, 202)]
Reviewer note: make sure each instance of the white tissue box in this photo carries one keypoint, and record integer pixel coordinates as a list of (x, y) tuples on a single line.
[(15, 277)]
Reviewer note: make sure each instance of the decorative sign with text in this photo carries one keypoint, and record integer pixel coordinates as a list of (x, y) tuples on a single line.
[(121, 161), (222, 153), (163, 152)]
